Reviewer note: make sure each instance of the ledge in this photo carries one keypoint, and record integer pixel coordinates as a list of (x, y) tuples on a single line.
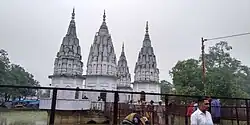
[(146, 81), (67, 76), (112, 76), (124, 87)]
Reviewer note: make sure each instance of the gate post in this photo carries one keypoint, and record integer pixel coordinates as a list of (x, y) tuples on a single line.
[(115, 114), (53, 107), (166, 109), (247, 111)]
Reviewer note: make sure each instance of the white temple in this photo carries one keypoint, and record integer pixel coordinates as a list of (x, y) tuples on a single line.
[(103, 72), (124, 78), (68, 65), (146, 72), (101, 66)]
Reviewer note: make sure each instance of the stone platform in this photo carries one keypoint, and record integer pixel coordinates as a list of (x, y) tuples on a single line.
[(80, 117)]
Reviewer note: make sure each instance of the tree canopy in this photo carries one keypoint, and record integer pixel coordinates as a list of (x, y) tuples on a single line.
[(225, 75), (13, 74)]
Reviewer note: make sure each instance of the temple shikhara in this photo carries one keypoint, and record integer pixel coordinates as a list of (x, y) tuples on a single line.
[(104, 70)]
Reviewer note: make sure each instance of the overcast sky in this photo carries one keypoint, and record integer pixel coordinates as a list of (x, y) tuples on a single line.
[(32, 31)]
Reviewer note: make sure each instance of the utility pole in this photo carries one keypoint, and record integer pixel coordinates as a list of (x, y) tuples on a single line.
[(203, 64)]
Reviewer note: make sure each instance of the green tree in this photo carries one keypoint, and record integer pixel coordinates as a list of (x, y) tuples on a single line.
[(186, 77), (225, 75), (12, 74), (166, 87)]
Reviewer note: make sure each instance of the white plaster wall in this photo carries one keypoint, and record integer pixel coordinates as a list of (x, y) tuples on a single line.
[(125, 97), (65, 82), (147, 88), (72, 104), (100, 83)]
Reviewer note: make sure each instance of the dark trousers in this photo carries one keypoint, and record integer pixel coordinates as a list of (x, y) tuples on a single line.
[(186, 120)]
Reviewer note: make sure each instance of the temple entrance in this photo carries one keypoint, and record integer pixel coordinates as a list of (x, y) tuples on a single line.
[(143, 96), (103, 96)]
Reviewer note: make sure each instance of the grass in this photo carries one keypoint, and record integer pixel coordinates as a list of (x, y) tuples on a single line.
[(24, 117), (40, 118)]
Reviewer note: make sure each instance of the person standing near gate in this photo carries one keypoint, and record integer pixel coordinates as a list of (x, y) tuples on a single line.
[(215, 110), (160, 113), (201, 116)]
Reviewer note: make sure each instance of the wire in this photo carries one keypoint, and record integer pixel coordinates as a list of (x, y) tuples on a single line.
[(227, 36)]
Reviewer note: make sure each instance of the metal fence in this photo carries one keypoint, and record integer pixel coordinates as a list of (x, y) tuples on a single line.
[(172, 110)]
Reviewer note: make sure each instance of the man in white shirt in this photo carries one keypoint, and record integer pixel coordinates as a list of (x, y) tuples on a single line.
[(201, 116)]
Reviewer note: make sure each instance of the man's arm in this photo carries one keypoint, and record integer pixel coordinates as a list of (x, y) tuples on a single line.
[(193, 120)]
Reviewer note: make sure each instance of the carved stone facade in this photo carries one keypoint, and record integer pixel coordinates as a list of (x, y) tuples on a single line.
[(146, 72), (124, 78), (101, 66), (68, 59), (146, 66), (68, 65), (102, 58), (103, 73)]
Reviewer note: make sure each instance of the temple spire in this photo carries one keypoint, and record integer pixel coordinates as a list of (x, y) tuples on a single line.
[(72, 27), (147, 27), (104, 25), (123, 75), (123, 47), (73, 14), (70, 52), (104, 16), (146, 41)]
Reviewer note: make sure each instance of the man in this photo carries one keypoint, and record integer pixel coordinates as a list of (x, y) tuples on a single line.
[(160, 111), (190, 110), (171, 108), (195, 105), (201, 116), (150, 110), (135, 119), (215, 110)]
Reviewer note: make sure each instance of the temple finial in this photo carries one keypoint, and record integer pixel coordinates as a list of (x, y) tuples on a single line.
[(73, 14), (123, 47), (104, 16), (147, 27)]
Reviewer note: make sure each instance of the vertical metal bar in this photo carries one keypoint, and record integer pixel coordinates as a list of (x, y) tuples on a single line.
[(53, 107), (232, 120), (237, 115), (166, 109), (115, 114), (186, 115), (247, 110)]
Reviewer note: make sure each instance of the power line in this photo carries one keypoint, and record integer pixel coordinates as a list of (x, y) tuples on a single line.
[(242, 34)]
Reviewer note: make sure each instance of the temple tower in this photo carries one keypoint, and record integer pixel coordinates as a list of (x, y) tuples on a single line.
[(68, 65), (146, 77), (124, 78), (101, 66)]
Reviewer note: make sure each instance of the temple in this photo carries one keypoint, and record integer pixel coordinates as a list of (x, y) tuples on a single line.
[(103, 71), (146, 77), (68, 67), (124, 78), (101, 66)]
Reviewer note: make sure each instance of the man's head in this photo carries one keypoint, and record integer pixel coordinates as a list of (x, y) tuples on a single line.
[(160, 102), (203, 104), (151, 102)]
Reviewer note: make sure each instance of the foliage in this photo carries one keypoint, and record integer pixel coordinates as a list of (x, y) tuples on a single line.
[(225, 75), (166, 87), (12, 74)]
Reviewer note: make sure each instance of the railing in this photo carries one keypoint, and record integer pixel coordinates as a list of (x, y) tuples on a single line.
[(232, 109)]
